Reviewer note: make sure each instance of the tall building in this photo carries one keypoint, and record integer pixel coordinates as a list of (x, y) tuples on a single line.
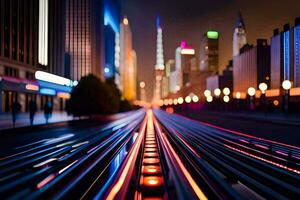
[(276, 58), (52, 26), (187, 55), (160, 65), (84, 38), (297, 53), (209, 52), (31, 39), (127, 62), (185, 64), (170, 67), (112, 11), (239, 35), (252, 66), (173, 78), (221, 81), (285, 56)]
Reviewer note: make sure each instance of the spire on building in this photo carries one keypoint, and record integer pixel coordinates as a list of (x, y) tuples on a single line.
[(159, 47), (239, 35), (240, 22), (158, 21)]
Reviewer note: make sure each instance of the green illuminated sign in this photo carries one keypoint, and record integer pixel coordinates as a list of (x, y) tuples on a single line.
[(212, 34)]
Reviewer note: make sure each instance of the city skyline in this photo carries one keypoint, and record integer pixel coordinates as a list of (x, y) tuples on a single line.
[(185, 22), (222, 116)]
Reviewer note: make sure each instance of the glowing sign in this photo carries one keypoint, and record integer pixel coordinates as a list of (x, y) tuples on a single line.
[(43, 33), (188, 51), (185, 49), (63, 95), (212, 34), (32, 87), (47, 91), (44, 76)]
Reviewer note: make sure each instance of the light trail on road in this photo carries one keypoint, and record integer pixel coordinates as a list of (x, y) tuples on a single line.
[(250, 166), (149, 155)]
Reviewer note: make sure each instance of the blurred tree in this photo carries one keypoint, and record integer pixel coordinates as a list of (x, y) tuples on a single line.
[(92, 96), (125, 105)]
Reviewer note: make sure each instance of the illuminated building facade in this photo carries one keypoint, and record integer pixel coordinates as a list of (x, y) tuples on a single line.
[(285, 56), (239, 35), (185, 63), (297, 53), (112, 9), (166, 83), (160, 65), (209, 52), (84, 38), (128, 68), (31, 39), (251, 66), (187, 54)]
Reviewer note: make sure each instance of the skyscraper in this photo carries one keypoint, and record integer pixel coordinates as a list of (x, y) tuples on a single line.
[(160, 66), (239, 35), (285, 48), (31, 39), (84, 37), (252, 66), (112, 9), (184, 64), (128, 62), (170, 67), (209, 52)]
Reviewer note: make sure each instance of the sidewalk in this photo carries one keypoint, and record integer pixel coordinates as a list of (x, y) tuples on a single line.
[(23, 119)]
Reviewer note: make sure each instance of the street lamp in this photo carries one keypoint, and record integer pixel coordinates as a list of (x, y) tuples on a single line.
[(175, 101), (217, 92), (251, 93), (142, 84), (209, 99), (188, 99), (263, 87), (180, 100), (286, 85), (226, 99), (226, 91), (207, 93), (195, 98), (238, 97)]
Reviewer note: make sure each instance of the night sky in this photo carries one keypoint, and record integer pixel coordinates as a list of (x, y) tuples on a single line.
[(189, 19)]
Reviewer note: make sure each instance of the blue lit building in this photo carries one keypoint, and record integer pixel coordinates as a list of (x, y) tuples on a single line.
[(285, 55), (112, 11), (297, 53)]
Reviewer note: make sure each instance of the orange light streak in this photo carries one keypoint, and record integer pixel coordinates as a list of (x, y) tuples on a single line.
[(130, 162), (187, 175), (263, 159)]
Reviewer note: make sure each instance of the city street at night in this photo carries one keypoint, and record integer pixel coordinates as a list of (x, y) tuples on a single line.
[(149, 100), (147, 154)]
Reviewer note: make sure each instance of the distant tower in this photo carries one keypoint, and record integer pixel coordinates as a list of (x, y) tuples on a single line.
[(239, 35), (160, 66), (128, 58)]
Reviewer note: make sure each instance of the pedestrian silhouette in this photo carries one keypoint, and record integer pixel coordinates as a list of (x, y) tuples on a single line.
[(15, 109), (32, 111), (47, 111)]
